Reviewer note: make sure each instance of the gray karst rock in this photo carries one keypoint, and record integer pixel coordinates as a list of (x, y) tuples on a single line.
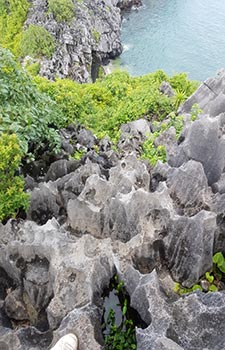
[(209, 97), (166, 89), (132, 135), (43, 204), (189, 246), (197, 309), (189, 188), (60, 168), (83, 43), (112, 213), (86, 324), (204, 143)]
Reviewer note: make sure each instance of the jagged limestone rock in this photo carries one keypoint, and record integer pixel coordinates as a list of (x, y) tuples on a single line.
[(189, 246), (82, 43), (209, 97), (203, 143)]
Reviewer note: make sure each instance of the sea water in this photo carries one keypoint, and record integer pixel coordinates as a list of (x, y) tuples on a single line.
[(176, 36)]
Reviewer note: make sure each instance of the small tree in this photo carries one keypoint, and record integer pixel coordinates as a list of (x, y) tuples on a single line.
[(63, 10), (37, 41)]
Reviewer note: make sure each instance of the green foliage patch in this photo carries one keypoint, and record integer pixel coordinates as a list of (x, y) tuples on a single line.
[(63, 10), (13, 14), (36, 41), (12, 196), (25, 111), (153, 152), (114, 100), (120, 337), (96, 35)]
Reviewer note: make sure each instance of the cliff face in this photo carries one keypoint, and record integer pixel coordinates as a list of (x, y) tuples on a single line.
[(84, 42)]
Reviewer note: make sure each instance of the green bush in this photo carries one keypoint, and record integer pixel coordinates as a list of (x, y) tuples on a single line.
[(13, 14), (12, 196), (25, 111), (33, 68), (36, 41), (183, 88), (112, 101), (63, 10)]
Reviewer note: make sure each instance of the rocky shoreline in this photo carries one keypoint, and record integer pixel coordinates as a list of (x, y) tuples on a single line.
[(84, 43), (111, 212)]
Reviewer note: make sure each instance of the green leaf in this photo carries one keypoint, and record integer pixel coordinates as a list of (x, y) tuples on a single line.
[(222, 267), (218, 259), (213, 288), (209, 277), (196, 287)]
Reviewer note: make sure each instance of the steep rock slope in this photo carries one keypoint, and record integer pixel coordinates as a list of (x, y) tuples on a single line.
[(83, 42)]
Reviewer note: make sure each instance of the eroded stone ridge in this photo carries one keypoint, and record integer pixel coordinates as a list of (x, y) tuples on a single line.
[(84, 42), (111, 212)]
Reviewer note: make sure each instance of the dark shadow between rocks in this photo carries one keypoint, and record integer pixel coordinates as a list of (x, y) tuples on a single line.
[(6, 283), (23, 303), (117, 311), (149, 256), (30, 336)]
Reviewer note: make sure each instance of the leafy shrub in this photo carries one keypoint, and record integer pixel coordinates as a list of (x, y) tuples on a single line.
[(112, 101), (13, 14), (31, 115), (195, 111), (12, 196), (151, 152), (180, 82), (33, 68), (63, 10), (154, 153), (183, 88), (36, 41)]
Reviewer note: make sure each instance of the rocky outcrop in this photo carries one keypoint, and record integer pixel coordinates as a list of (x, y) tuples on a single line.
[(112, 212), (210, 96), (84, 42)]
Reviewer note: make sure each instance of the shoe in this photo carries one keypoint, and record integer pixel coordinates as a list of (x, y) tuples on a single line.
[(68, 342)]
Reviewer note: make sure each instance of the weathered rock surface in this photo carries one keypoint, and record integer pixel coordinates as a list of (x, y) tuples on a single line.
[(209, 97), (85, 42), (203, 142), (112, 213)]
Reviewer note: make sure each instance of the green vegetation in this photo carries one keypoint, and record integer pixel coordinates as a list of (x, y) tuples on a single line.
[(34, 109), (96, 35), (120, 337), (28, 122), (114, 100), (79, 154), (31, 115), (211, 281), (33, 68), (63, 10), (12, 196), (153, 152), (195, 111), (13, 14), (36, 41)]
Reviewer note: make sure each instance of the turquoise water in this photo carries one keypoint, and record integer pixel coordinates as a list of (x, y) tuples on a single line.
[(176, 36)]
